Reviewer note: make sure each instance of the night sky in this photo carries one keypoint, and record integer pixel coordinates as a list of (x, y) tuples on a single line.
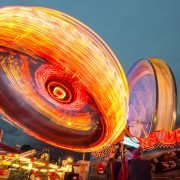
[(133, 29)]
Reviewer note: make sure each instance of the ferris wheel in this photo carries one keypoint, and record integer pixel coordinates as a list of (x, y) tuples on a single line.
[(152, 100)]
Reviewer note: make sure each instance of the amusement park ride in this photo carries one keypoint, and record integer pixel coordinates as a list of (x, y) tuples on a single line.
[(62, 84)]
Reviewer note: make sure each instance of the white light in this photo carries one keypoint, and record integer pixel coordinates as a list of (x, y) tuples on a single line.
[(133, 142)]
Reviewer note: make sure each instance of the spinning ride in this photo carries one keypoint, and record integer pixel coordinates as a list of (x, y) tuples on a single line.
[(153, 97), (59, 81)]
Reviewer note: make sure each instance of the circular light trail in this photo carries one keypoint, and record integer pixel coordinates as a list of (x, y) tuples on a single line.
[(153, 100), (59, 92), (59, 81)]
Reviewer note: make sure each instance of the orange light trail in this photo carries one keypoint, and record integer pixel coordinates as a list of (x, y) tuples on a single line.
[(60, 82)]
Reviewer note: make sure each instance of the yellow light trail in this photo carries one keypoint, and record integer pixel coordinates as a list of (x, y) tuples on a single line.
[(67, 87)]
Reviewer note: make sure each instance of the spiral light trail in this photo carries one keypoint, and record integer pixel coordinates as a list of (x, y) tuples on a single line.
[(59, 81)]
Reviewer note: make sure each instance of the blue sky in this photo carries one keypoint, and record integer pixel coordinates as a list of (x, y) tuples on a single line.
[(134, 29)]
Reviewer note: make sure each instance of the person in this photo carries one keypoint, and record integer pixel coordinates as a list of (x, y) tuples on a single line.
[(123, 173), (114, 162), (117, 164)]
